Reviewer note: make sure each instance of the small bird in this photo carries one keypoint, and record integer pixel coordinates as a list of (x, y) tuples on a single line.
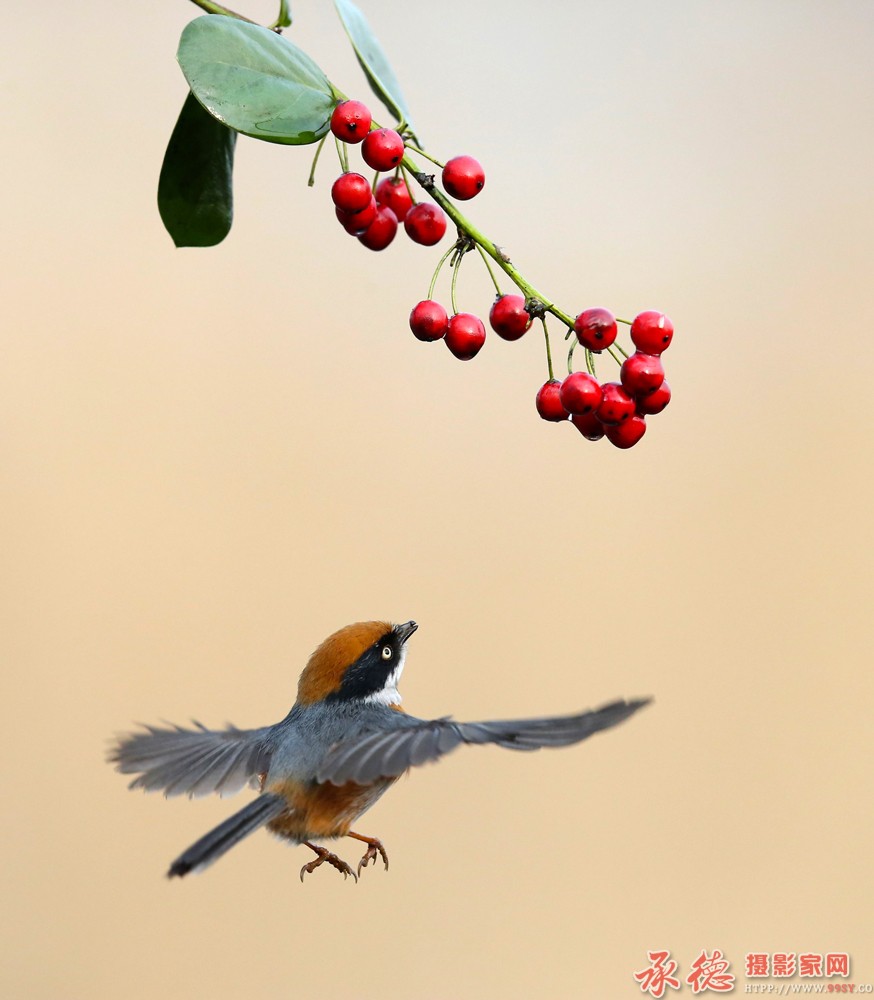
[(344, 742)]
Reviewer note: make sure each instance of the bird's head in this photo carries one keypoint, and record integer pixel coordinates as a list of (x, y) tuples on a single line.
[(361, 662)]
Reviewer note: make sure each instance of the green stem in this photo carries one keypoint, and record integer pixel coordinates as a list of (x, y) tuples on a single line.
[(312, 177), (482, 254), (469, 229), (342, 154), (614, 355), (216, 8), (455, 271), (590, 363), (548, 349), (406, 179), (427, 156), (570, 357), (283, 18), (491, 248), (437, 271)]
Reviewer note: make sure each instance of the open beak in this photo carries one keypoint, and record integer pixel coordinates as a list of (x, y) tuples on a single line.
[(403, 632)]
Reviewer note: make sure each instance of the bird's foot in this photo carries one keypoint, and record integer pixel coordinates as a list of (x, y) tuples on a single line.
[(324, 855), (374, 848)]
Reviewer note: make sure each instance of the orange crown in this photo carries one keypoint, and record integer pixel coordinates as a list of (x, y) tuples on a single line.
[(324, 671)]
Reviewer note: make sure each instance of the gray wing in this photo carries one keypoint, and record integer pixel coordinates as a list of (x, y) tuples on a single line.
[(388, 754), (193, 762)]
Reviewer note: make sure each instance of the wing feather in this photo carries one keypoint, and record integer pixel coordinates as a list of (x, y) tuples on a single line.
[(387, 754), (193, 762)]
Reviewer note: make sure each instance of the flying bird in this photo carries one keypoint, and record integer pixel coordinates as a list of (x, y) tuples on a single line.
[(345, 741)]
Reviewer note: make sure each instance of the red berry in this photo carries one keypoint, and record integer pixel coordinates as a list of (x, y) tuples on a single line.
[(356, 222), (351, 121), (463, 177), (651, 332), (548, 401), (428, 320), (392, 191), (656, 401), (581, 393), (383, 149), (641, 374), (351, 192), (425, 223), (628, 433), (616, 406), (381, 231), (588, 425), (595, 328), (465, 335), (508, 316)]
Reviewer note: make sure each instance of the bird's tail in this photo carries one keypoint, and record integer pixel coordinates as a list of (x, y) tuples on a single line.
[(212, 846)]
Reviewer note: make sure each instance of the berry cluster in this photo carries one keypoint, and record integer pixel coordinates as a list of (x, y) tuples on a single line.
[(373, 215), (465, 333), (615, 410)]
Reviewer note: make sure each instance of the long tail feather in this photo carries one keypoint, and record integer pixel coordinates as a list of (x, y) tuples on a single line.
[(220, 840)]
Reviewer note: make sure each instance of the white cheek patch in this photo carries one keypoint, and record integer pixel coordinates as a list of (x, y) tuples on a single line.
[(389, 694)]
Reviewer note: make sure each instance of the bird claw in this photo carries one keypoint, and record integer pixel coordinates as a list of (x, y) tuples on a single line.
[(374, 848), (324, 855)]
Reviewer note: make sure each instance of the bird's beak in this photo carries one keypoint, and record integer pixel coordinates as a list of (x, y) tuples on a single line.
[(403, 632)]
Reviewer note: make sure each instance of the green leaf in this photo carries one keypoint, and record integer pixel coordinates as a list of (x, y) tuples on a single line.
[(374, 62), (255, 81), (195, 193)]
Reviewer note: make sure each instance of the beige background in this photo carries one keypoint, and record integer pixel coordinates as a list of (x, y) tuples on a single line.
[(211, 459)]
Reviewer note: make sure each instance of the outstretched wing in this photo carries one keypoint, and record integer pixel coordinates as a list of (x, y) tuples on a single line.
[(388, 754), (193, 762)]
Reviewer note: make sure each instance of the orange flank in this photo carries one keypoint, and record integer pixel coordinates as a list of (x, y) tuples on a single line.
[(326, 810)]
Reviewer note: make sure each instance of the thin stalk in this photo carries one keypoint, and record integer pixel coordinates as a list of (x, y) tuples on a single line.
[(312, 177), (455, 271), (342, 154), (548, 349), (590, 363), (437, 271), (570, 357), (406, 179), (283, 18), (615, 356), (482, 254), (427, 156)]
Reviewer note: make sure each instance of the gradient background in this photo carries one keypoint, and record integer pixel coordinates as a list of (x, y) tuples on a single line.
[(213, 458)]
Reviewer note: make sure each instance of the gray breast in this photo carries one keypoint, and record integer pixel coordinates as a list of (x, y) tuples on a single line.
[(303, 738)]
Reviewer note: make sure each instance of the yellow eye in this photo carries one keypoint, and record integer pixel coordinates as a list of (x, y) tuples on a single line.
[(386, 652)]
